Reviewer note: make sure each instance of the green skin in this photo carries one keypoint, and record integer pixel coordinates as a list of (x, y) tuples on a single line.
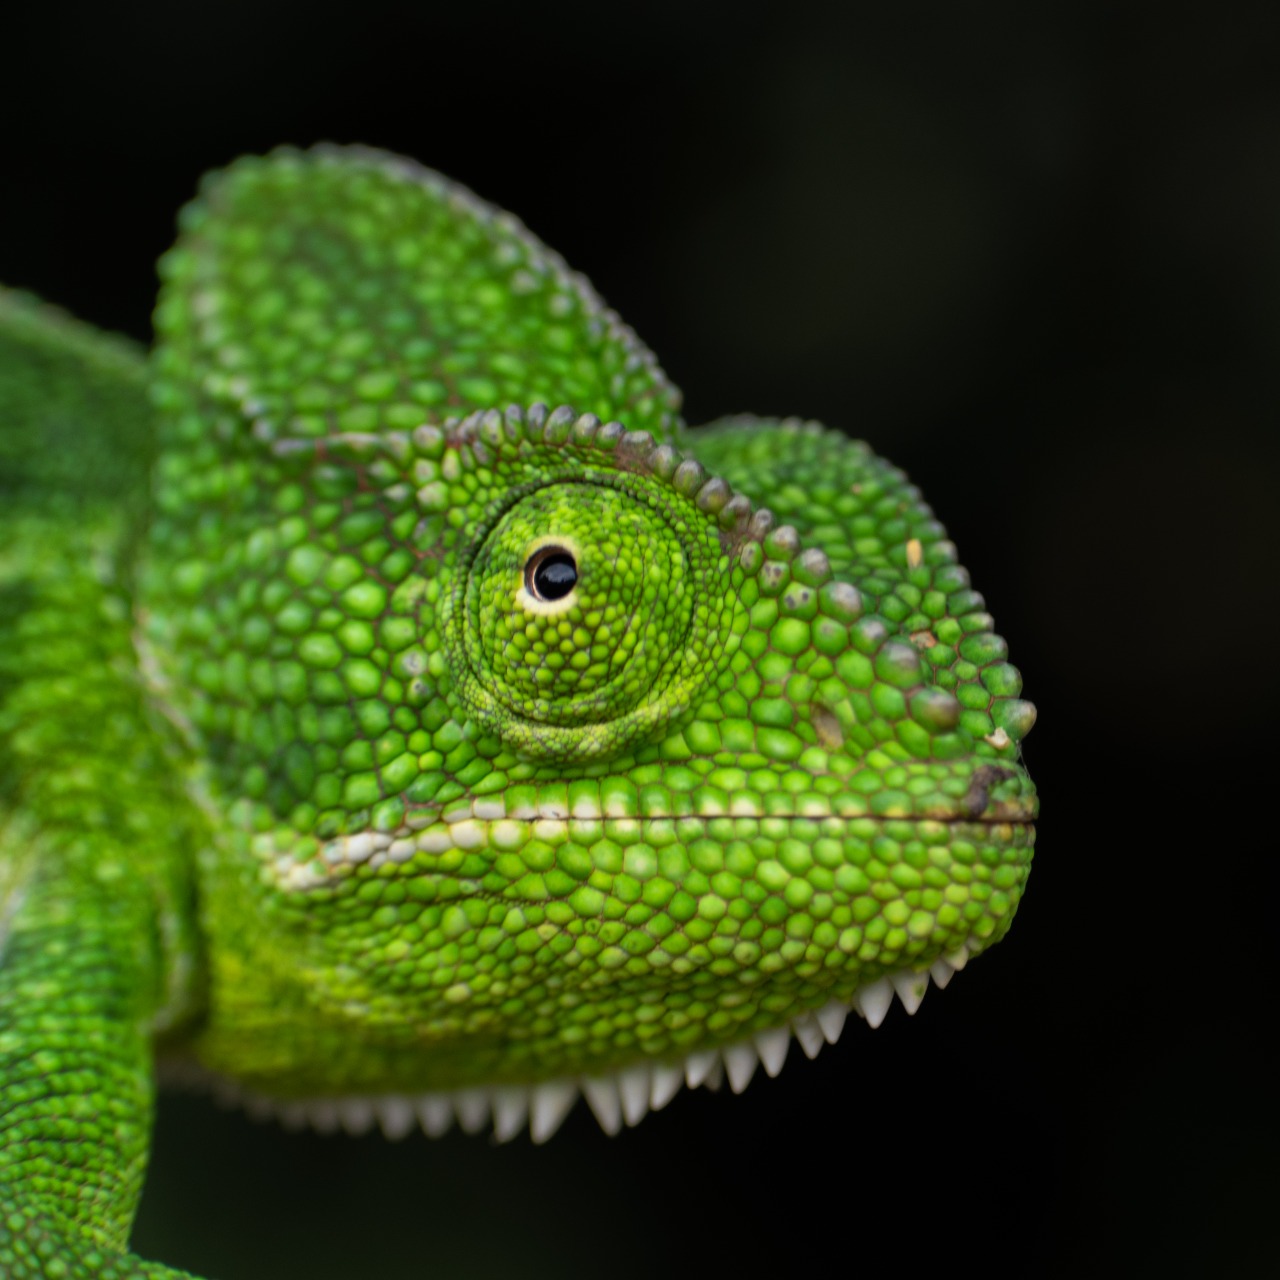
[(305, 783)]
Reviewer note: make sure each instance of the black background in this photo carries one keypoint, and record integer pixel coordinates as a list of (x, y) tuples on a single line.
[(1032, 253)]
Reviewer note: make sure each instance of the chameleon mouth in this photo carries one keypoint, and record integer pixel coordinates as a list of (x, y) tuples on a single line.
[(472, 827), (618, 1099), (991, 796)]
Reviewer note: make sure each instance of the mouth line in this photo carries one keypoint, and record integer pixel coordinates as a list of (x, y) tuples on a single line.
[(790, 815), (617, 1098), (472, 827)]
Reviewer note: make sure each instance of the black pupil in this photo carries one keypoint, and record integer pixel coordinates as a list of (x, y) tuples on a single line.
[(553, 575)]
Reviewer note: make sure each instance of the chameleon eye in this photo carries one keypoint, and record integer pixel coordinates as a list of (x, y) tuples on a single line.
[(580, 600), (550, 574), (573, 623)]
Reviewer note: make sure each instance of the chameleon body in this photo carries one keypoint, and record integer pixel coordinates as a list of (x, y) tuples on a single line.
[(383, 740)]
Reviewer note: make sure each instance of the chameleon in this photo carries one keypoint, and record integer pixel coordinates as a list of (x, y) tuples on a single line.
[(406, 720)]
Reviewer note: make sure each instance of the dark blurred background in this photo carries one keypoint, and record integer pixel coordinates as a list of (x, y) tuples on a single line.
[(1030, 252)]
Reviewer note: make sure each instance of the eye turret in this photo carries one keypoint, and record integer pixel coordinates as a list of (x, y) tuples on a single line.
[(589, 613)]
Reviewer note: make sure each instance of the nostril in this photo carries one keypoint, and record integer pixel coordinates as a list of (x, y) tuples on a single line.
[(827, 727), (984, 778)]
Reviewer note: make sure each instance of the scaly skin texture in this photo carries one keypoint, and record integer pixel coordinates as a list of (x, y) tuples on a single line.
[(373, 729)]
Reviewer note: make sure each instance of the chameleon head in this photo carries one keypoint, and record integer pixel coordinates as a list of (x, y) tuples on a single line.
[(540, 754), (608, 768)]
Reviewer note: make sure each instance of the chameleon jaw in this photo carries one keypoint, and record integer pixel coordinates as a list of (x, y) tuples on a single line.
[(618, 1099)]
